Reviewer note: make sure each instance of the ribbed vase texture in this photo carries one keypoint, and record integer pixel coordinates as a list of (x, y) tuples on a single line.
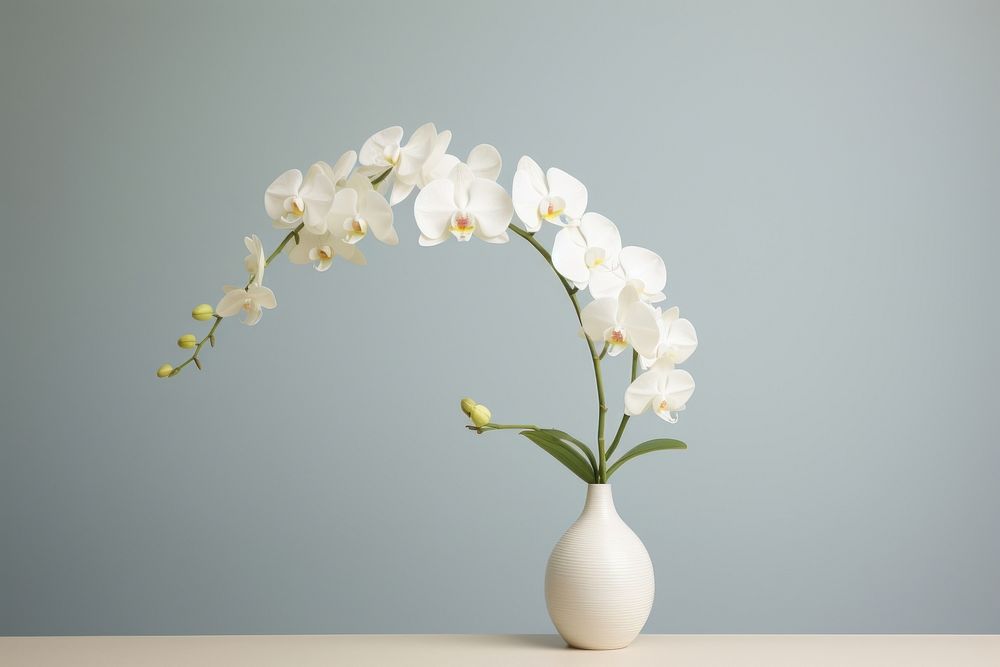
[(599, 580)]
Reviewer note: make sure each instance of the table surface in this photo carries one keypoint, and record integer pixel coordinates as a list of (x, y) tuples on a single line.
[(518, 650)]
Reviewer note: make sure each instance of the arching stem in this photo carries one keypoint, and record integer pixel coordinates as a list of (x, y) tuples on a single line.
[(602, 406)]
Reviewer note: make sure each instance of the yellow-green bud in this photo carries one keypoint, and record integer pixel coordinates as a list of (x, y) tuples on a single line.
[(203, 312), (164, 371), (480, 415), (187, 341), (467, 405)]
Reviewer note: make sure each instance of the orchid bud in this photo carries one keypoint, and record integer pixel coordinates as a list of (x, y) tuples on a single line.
[(467, 405), (164, 371), (203, 312), (480, 415), (187, 341)]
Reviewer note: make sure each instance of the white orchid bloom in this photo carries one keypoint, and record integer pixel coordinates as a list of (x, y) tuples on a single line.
[(255, 262), (463, 205), (484, 161), (249, 300), (678, 339), (663, 388), (383, 151), (290, 199), (621, 322), (636, 266), (592, 245), (320, 249), (357, 209), (546, 196)]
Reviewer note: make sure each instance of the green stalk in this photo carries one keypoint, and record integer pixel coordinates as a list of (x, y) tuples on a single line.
[(625, 417), (602, 406)]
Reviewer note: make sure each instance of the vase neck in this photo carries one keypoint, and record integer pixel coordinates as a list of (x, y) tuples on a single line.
[(599, 501)]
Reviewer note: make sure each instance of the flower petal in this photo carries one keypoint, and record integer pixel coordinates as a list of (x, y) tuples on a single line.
[(342, 167), (417, 150), (568, 252), (491, 205), (343, 208), (400, 191), (378, 214), (646, 266), (606, 283), (528, 189), (263, 296), (598, 317), (600, 232), (433, 209), (231, 303), (679, 388), (317, 193), (279, 190), (485, 161), (641, 323), (371, 151), (641, 393), (573, 192)]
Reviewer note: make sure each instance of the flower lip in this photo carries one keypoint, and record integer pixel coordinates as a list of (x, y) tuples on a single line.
[(463, 225), (295, 205), (551, 207)]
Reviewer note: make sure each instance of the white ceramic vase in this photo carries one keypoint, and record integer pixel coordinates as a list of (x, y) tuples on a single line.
[(599, 580)]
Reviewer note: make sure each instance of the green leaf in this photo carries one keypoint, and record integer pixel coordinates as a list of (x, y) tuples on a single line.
[(645, 448), (566, 437), (563, 453)]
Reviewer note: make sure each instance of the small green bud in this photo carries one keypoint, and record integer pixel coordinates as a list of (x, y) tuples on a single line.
[(203, 312), (187, 341), (164, 371), (480, 416), (467, 405)]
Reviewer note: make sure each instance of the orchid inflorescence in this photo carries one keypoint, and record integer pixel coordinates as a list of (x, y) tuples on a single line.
[(328, 213)]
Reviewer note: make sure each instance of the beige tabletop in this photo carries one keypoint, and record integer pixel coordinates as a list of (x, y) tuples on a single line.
[(516, 650)]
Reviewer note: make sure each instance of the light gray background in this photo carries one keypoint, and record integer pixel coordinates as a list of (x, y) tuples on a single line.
[(822, 180)]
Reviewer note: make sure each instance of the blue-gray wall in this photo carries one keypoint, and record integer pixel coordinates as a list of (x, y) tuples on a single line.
[(821, 178)]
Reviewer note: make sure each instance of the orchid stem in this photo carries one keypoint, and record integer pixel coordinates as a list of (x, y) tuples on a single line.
[(602, 406), (294, 234), (625, 416)]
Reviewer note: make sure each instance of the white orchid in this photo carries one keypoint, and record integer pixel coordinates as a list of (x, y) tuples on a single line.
[(484, 161), (290, 199), (463, 205), (384, 151), (678, 339), (255, 262), (663, 388), (636, 266), (357, 209), (621, 322), (592, 245), (250, 300), (320, 249), (548, 196)]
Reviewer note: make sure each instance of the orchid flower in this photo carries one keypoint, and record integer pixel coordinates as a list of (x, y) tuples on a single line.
[(484, 161), (637, 266), (546, 196), (255, 262), (290, 199), (463, 205), (383, 151), (320, 249), (622, 321), (663, 388), (358, 208), (580, 249), (249, 300), (678, 339)]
